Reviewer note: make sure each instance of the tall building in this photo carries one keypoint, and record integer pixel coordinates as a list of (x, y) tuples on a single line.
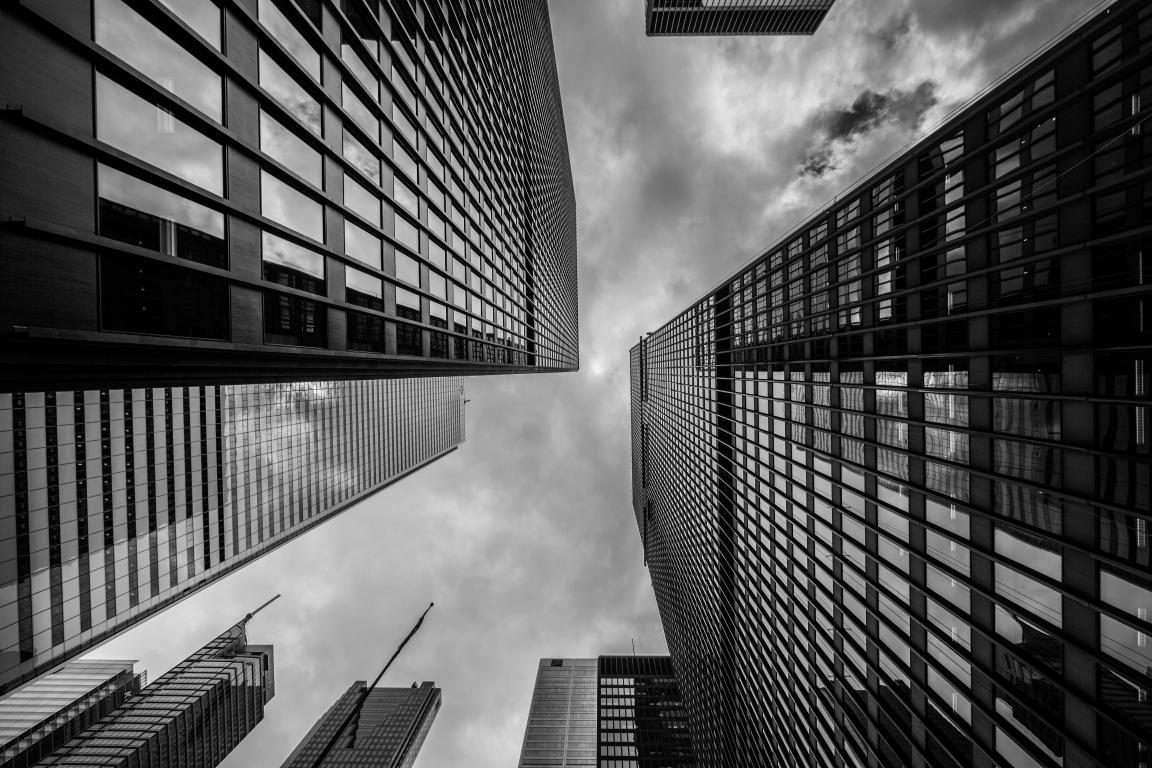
[(193, 715), (734, 17), (116, 503), (46, 713), (199, 193), (892, 478), (388, 732), (609, 712)]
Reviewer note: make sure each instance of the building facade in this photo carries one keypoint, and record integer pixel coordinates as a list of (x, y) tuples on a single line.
[(116, 503), (892, 478), (609, 712), (387, 733), (46, 713), (193, 715), (201, 193), (734, 17)]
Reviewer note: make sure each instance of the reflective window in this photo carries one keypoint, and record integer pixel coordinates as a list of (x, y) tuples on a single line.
[(141, 295), (360, 113), (437, 285), (134, 211), (358, 198), (408, 269), (363, 289), (1029, 594), (133, 38), (360, 158), (290, 207), (359, 69), (290, 93), (361, 245), (404, 161), (202, 15), (405, 195), (407, 233), (283, 145), (407, 303), (286, 33), (294, 320), (365, 332), (292, 265), (1119, 640), (152, 133)]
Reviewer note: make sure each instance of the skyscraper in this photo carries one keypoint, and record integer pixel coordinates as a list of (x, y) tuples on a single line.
[(193, 715), (892, 478), (116, 503), (388, 732), (44, 714), (610, 712), (197, 193), (734, 17)]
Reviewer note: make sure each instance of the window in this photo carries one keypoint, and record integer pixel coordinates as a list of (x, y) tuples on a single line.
[(362, 245), (407, 304), (139, 295), (405, 195), (284, 146), (360, 158), (360, 113), (292, 265), (407, 233), (291, 208), (133, 38), (408, 269), (404, 160), (290, 93), (134, 211), (136, 126), (359, 69), (202, 15), (363, 289), (286, 33), (359, 199), (294, 320), (365, 332)]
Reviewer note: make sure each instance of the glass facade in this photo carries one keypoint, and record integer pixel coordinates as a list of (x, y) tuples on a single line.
[(193, 715), (892, 479), (389, 731), (561, 730), (353, 134), (116, 502), (734, 17)]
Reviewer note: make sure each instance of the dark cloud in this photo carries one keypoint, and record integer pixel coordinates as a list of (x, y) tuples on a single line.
[(895, 31)]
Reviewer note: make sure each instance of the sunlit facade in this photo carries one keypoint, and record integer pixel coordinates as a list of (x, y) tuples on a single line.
[(271, 190), (892, 478), (116, 503), (734, 17)]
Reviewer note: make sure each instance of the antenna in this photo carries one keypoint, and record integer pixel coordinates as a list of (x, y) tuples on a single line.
[(633, 646)]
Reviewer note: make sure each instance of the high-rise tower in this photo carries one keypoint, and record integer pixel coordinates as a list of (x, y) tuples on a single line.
[(734, 17), (271, 190), (892, 478)]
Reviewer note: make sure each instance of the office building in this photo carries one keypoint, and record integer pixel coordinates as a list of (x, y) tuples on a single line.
[(193, 715), (200, 193), (892, 478), (608, 712), (388, 731), (116, 503), (734, 17), (46, 713)]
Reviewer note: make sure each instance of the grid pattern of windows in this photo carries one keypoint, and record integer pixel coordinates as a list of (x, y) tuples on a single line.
[(734, 17), (642, 722), (416, 142), (561, 731), (194, 714), (388, 732), (892, 479), (116, 502)]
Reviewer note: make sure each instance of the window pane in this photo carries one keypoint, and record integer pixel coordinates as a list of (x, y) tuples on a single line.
[(360, 113), (285, 146), (134, 211), (404, 160), (362, 282), (139, 295), (288, 36), (293, 265), (133, 38), (290, 93), (405, 195), (358, 198), (407, 304), (352, 59), (202, 15), (408, 269), (361, 245), (140, 128), (293, 209), (294, 320), (407, 234), (359, 156)]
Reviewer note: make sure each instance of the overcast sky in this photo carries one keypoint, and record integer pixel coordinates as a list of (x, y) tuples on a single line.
[(690, 156)]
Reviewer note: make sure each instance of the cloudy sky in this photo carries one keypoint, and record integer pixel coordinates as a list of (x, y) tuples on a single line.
[(690, 156)]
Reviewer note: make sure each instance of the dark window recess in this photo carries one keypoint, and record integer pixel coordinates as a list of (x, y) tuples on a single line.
[(128, 225), (311, 9), (1128, 703), (477, 351), (951, 336), (363, 300), (139, 295), (293, 320), (459, 348), (408, 313), (365, 332), (293, 278), (1021, 330), (408, 340), (439, 346)]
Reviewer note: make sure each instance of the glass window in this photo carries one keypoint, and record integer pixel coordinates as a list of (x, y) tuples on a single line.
[(1117, 639), (1031, 552), (408, 269), (290, 207), (405, 195), (404, 160), (1028, 593), (361, 245), (202, 15), (360, 158), (363, 289), (407, 233), (290, 93), (286, 33), (407, 303), (142, 295), (359, 69), (436, 255), (437, 285), (152, 133), (292, 265), (360, 113), (134, 211), (294, 320), (283, 145), (133, 38), (358, 198)]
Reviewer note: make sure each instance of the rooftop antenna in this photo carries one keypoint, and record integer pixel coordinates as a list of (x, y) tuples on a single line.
[(350, 717), (633, 646), (244, 621)]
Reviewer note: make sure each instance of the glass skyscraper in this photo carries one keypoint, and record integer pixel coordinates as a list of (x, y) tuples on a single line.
[(200, 193), (609, 712), (892, 478), (387, 733), (116, 503), (734, 17)]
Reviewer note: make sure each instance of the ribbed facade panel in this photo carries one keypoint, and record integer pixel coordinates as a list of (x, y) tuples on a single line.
[(734, 17)]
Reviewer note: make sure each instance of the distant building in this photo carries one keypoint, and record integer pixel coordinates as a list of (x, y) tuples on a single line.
[(46, 713), (734, 17), (892, 478), (388, 732), (191, 716), (610, 712), (116, 503)]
